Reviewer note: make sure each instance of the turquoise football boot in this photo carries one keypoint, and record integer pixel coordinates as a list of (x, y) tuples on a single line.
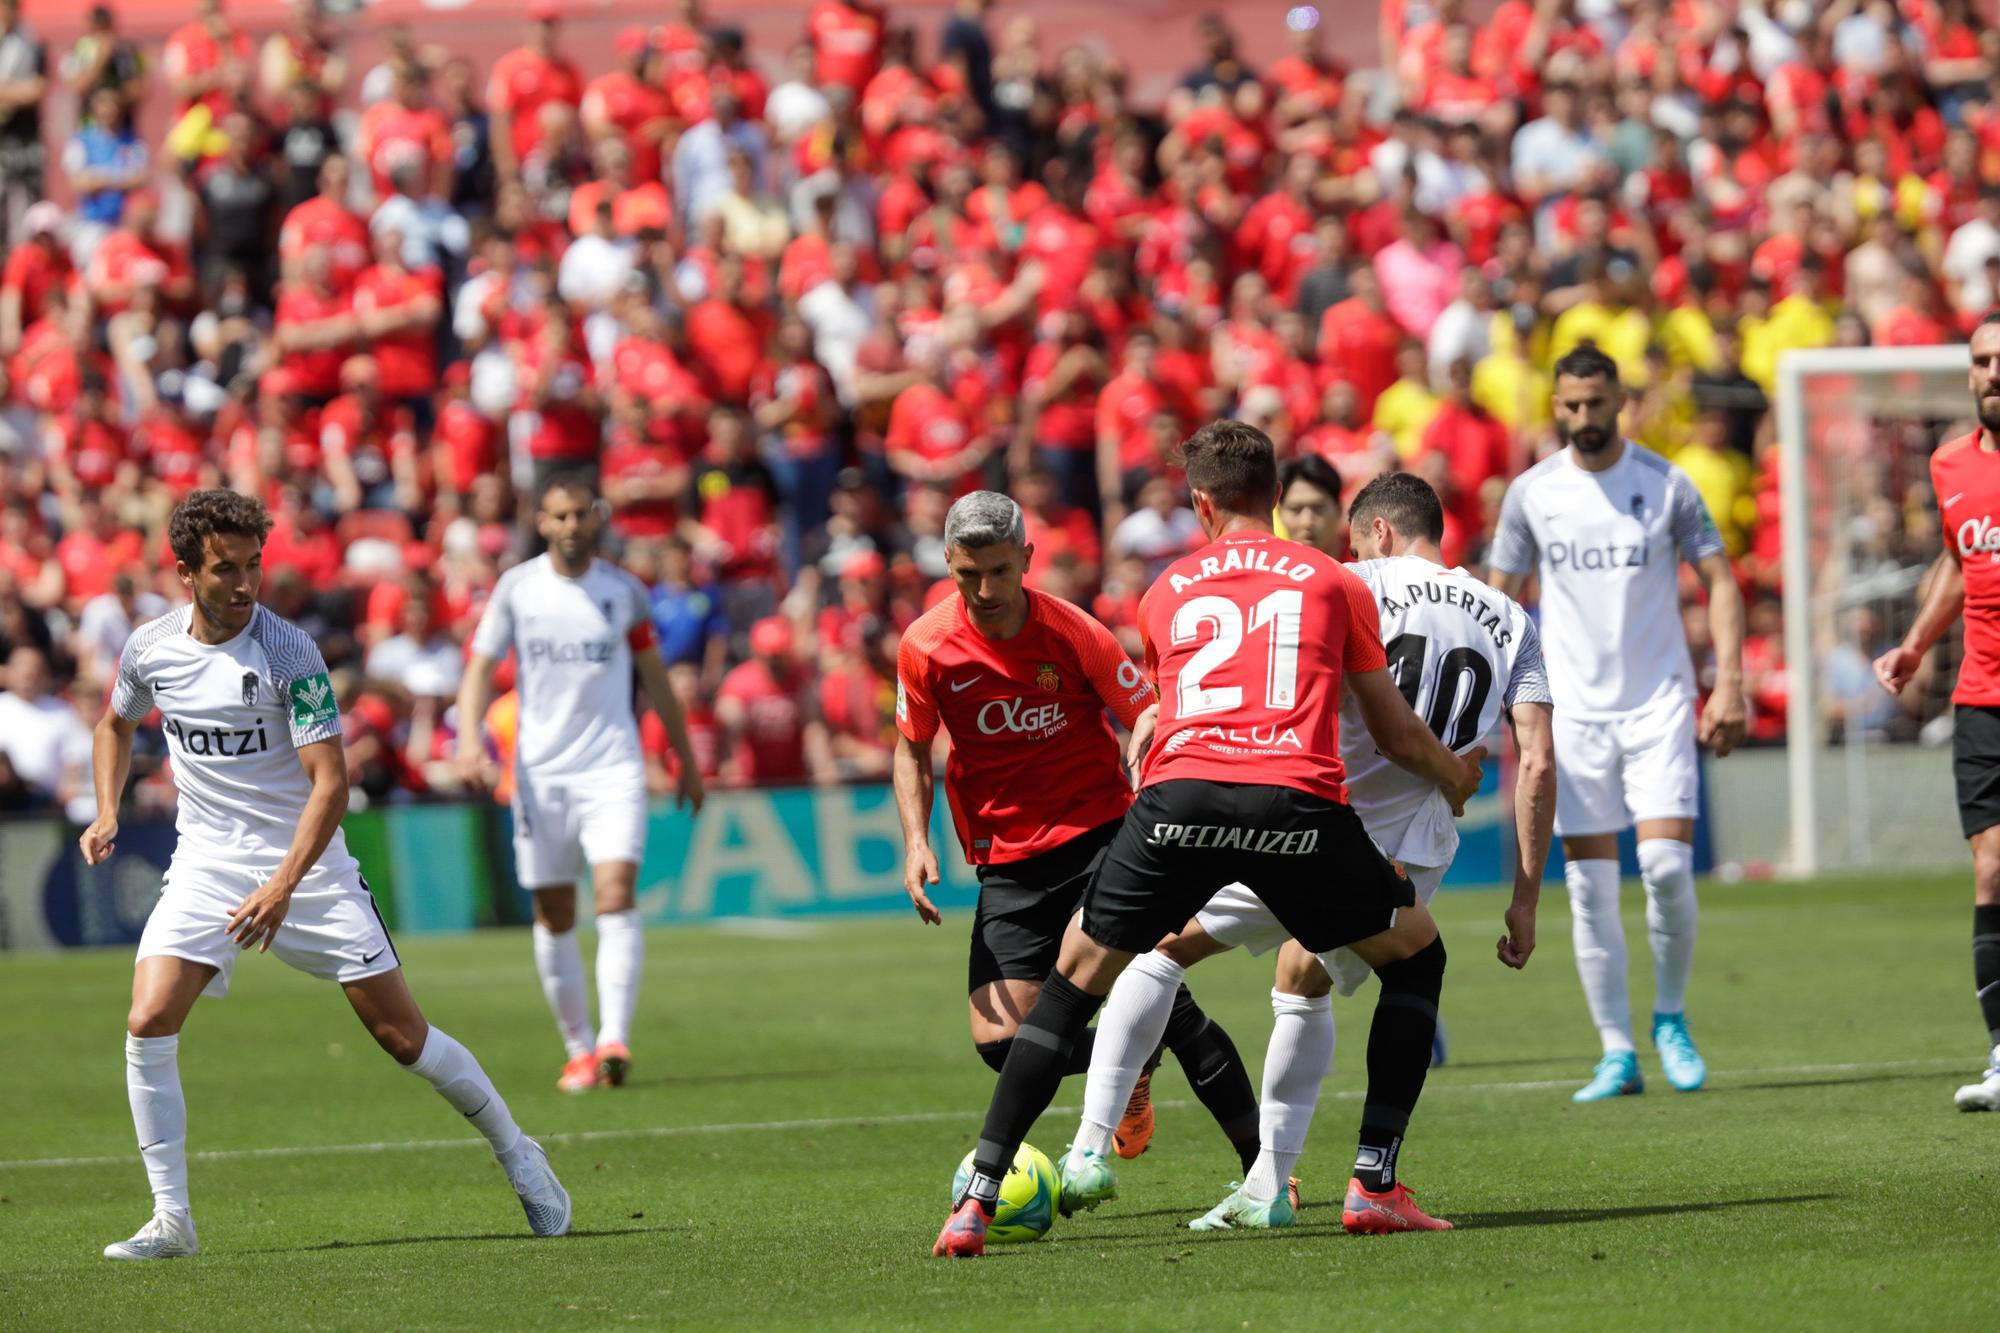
[(1087, 1180), (1239, 1212), (1616, 1075), (1678, 1057)]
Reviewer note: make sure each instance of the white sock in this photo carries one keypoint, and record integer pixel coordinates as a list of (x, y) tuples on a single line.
[(1599, 937), (621, 957), (1666, 866), (159, 1116), (560, 962), (1129, 1028), (1295, 1064), (1092, 1136), (452, 1070)]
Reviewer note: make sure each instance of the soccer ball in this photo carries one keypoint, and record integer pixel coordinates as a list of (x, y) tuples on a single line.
[(1028, 1196)]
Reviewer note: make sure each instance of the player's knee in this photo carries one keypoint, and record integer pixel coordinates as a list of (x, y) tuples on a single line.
[(1666, 865), (556, 914), (994, 1053), (1299, 974), (1986, 876), (1421, 973), (145, 1020), (404, 1046)]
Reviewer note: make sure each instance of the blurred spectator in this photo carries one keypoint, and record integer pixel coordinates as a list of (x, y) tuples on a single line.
[(523, 82), (421, 657), (105, 623), (688, 613), (24, 69), (768, 734), (45, 741)]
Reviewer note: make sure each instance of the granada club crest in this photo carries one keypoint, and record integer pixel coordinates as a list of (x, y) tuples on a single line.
[(1048, 679)]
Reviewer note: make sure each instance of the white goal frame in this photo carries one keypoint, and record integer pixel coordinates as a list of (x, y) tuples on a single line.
[(1802, 728)]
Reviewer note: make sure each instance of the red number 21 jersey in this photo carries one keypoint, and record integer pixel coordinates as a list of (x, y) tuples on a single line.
[(1247, 640)]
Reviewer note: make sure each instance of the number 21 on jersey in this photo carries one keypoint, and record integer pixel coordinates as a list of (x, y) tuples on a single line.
[(1279, 612)]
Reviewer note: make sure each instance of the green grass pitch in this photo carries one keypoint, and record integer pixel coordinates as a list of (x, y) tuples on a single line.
[(799, 1103)]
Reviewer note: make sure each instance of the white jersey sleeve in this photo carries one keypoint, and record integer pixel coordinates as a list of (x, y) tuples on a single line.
[(1514, 547), (299, 677), (493, 637), (1529, 683), (1695, 535)]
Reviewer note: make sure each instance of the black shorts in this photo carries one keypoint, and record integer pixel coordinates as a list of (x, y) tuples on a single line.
[(1308, 858), (1025, 906), (1975, 765)]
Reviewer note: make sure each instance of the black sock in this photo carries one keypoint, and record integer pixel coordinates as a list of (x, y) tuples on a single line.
[(1213, 1068), (1986, 967), (1040, 1055), (1399, 1056), (994, 1053)]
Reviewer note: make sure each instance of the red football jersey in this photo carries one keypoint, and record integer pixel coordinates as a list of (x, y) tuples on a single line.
[(1247, 640), (1033, 762), (1966, 479)]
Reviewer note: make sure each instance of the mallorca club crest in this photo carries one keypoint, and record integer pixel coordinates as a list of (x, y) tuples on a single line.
[(1048, 679)]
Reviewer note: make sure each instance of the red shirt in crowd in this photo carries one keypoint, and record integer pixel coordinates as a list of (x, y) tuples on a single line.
[(1125, 412), (407, 360), (631, 455), (564, 427), (320, 221), (637, 109), (729, 342), (1476, 449), (89, 561), (1033, 761), (92, 451), (392, 136), (1272, 704), (193, 50), (704, 738), (34, 273), (173, 450), (847, 42), (1362, 342), (772, 745), (470, 442), (314, 373), (521, 84), (1068, 421)]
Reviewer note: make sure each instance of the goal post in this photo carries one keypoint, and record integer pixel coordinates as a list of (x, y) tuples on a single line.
[(1855, 428)]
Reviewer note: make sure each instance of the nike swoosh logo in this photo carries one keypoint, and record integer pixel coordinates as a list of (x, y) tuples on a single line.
[(1204, 1082), (372, 957), (1953, 500), (959, 685)]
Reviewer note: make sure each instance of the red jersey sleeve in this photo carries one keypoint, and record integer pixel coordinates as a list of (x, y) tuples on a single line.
[(1364, 626), (1110, 672), (916, 709)]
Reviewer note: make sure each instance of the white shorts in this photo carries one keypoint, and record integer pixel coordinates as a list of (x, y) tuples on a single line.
[(1237, 917), (563, 824), (1612, 774), (332, 929)]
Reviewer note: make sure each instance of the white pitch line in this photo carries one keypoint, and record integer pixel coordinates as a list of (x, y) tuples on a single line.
[(856, 1121)]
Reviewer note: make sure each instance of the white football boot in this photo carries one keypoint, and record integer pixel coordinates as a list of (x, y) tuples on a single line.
[(543, 1198), (1985, 1094), (167, 1236)]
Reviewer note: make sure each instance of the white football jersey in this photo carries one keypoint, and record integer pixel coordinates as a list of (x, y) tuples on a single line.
[(1462, 654), (234, 714), (1608, 547), (572, 642)]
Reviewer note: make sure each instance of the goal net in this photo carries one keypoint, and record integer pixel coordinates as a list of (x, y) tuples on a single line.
[(1866, 779)]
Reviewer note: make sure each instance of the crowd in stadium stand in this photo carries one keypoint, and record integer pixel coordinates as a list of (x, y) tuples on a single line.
[(787, 304)]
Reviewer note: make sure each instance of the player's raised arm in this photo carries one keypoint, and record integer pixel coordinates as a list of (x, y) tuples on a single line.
[(911, 773), (1944, 602)]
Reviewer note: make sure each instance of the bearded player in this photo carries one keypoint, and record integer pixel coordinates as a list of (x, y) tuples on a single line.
[(1965, 476), (1464, 657), (1605, 524), (1248, 642), (254, 734), (1021, 681), (578, 627)]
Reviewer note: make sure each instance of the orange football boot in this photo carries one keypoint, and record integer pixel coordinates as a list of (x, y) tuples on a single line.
[(1135, 1128), (614, 1062), (964, 1234), (1369, 1214), (580, 1074)]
